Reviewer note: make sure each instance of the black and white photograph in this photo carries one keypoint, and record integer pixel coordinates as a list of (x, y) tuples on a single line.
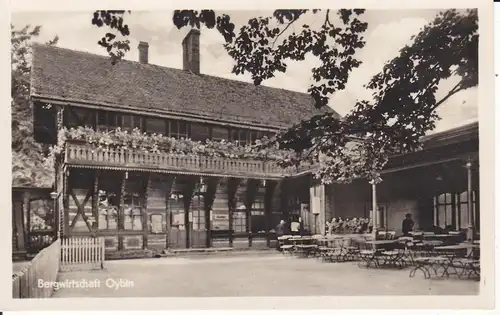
[(209, 153)]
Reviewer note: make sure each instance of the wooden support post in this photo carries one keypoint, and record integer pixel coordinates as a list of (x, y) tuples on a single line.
[(27, 213), (120, 210), (374, 210), (189, 191), (144, 216), (170, 181), (470, 208), (251, 192), (268, 207), (209, 199), (232, 188), (95, 202)]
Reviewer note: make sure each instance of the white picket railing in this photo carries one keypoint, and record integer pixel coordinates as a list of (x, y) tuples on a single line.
[(30, 281), (82, 253)]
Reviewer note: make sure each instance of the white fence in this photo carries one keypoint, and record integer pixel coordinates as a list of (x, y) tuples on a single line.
[(82, 253), (31, 281)]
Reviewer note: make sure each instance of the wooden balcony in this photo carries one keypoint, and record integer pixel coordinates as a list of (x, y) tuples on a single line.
[(85, 155)]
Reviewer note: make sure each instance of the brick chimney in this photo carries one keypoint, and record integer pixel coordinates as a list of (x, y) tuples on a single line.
[(191, 51), (143, 52)]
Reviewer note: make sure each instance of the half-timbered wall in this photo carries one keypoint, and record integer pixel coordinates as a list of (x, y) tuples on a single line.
[(147, 211)]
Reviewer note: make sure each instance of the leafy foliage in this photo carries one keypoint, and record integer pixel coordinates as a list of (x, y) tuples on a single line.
[(114, 20), (403, 107), (137, 141), (404, 103), (27, 155)]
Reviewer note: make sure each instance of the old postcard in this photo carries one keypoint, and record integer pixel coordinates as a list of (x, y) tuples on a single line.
[(303, 157)]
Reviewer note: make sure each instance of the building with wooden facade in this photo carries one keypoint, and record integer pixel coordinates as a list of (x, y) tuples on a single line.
[(139, 200), (154, 201)]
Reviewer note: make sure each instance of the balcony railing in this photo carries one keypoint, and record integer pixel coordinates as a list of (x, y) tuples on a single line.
[(82, 154)]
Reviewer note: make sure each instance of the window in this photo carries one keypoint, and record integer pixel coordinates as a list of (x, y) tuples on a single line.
[(257, 217), (240, 136), (157, 223), (109, 201), (444, 207), (253, 136), (80, 117), (200, 132), (198, 213), (220, 133), (463, 214), (243, 140), (130, 122), (176, 207), (155, 125), (239, 221), (452, 209), (132, 204), (178, 129), (107, 121)]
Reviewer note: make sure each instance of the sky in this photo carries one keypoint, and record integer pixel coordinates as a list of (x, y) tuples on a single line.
[(388, 31)]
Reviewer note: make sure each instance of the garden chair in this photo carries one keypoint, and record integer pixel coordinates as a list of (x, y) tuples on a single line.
[(351, 250), (284, 245), (318, 240), (368, 256), (470, 267)]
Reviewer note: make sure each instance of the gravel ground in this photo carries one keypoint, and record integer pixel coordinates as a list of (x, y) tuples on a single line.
[(252, 275)]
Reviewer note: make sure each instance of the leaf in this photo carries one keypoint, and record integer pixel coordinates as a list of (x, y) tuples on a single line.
[(28, 156)]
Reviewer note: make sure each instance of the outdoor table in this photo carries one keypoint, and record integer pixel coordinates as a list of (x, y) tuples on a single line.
[(302, 240), (446, 238), (458, 246), (381, 243), (339, 248), (380, 257)]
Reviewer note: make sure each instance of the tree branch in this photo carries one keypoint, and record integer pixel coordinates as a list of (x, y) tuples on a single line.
[(327, 18), (450, 94), (284, 30)]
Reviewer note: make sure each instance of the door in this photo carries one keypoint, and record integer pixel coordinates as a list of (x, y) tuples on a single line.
[(198, 223), (177, 233)]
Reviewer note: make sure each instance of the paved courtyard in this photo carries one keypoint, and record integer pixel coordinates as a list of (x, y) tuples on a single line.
[(253, 275)]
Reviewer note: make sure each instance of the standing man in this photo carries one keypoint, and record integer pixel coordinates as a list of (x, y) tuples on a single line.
[(407, 225)]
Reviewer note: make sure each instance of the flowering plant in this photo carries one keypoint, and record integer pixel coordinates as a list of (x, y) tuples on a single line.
[(157, 143), (348, 226)]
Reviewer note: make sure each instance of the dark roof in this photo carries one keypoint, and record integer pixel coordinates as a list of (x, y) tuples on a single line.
[(455, 135), (74, 76)]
